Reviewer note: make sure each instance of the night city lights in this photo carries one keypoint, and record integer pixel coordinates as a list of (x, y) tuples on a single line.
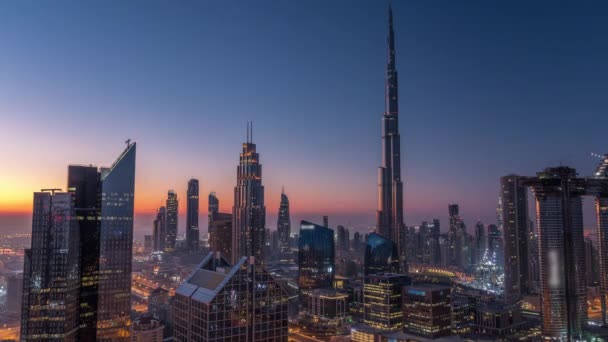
[(303, 171)]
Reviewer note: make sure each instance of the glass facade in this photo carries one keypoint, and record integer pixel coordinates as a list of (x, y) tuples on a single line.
[(315, 257), (221, 241), (427, 311), (382, 301), (51, 271), (380, 255), (171, 221), (117, 197), (284, 224), (192, 233), (219, 302)]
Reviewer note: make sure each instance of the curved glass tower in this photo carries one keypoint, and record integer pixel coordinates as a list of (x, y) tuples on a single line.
[(380, 255)]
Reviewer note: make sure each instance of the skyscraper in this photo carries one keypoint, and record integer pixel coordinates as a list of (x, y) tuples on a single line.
[(457, 236), (221, 239), (480, 241), (213, 206), (221, 302), (116, 248), (77, 282), (171, 223), (85, 183), (514, 210), (427, 310), (160, 230), (51, 271), (249, 211), (316, 257), (389, 217), (284, 224), (192, 232), (380, 255), (559, 215), (383, 301)]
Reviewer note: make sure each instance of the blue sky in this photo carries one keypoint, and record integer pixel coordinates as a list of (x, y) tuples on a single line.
[(486, 89)]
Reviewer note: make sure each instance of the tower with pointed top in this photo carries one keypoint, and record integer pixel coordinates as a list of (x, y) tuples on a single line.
[(389, 216), (284, 223), (249, 211)]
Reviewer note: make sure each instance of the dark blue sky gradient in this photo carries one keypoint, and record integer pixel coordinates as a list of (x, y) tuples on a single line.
[(487, 88)]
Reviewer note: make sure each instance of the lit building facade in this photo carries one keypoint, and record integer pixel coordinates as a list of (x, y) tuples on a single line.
[(51, 271), (192, 206), (427, 311), (220, 302), (249, 211), (316, 255), (383, 302), (171, 221), (514, 210), (284, 224)]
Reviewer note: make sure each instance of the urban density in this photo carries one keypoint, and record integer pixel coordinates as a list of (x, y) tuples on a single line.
[(537, 272)]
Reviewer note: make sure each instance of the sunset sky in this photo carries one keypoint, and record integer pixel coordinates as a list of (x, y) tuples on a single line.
[(486, 89)]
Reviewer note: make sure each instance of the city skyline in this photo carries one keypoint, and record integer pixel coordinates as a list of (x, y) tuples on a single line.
[(436, 157)]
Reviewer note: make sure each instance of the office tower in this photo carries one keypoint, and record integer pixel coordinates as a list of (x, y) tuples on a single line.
[(427, 310), (434, 245), (192, 233), (85, 183), (357, 243), (480, 240), (171, 221), (514, 209), (343, 243), (389, 217), (274, 241), (316, 257), (14, 292), (213, 206), (147, 244), (284, 224), (456, 233), (160, 230), (248, 212), (221, 240), (382, 300), (51, 271), (380, 255), (598, 187), (116, 248), (220, 302), (559, 215), (147, 329), (591, 263), (326, 221)]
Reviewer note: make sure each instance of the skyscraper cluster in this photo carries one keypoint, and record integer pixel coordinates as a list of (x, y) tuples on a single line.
[(77, 273)]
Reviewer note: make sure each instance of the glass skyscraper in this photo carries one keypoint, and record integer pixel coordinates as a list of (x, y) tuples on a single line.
[(380, 255), (284, 224), (171, 221), (315, 257), (115, 257), (51, 271), (192, 232)]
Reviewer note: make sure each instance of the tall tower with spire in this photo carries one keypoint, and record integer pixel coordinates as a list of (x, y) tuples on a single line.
[(389, 217), (249, 211)]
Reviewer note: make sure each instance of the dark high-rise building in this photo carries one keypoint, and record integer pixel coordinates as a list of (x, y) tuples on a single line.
[(85, 183), (14, 292), (427, 310), (382, 300), (192, 232), (213, 206), (559, 215), (171, 221), (389, 217), (514, 210), (316, 257), (221, 240), (343, 241), (147, 243), (591, 263), (51, 272), (249, 211), (434, 245), (380, 255), (220, 302), (480, 240), (102, 217), (160, 230), (457, 238), (326, 221), (284, 224), (116, 248), (357, 243)]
